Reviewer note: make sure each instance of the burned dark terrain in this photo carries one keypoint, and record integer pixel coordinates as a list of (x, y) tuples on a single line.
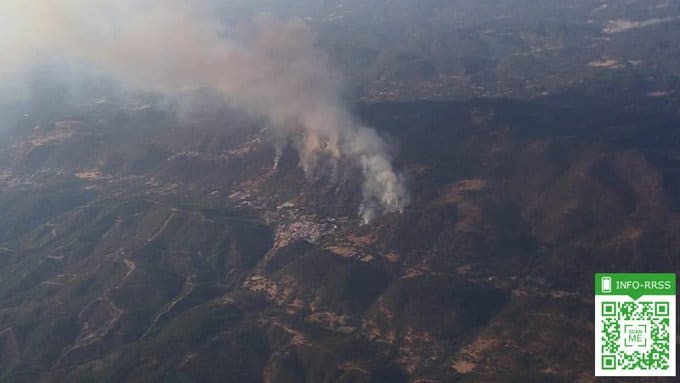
[(189, 256), (136, 246)]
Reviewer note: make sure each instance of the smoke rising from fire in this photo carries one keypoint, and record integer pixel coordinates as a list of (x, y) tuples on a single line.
[(271, 69)]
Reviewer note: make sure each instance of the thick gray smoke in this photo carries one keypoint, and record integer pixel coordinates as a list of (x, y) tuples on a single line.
[(272, 69)]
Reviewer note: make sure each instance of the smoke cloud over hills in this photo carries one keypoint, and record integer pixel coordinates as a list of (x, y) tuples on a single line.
[(270, 69)]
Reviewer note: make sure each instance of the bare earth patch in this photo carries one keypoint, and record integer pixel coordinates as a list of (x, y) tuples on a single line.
[(604, 63)]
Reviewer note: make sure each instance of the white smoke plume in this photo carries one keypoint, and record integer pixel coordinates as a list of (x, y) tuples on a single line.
[(271, 69)]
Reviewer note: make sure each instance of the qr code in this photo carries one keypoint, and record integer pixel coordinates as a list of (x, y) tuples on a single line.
[(635, 321), (636, 335)]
